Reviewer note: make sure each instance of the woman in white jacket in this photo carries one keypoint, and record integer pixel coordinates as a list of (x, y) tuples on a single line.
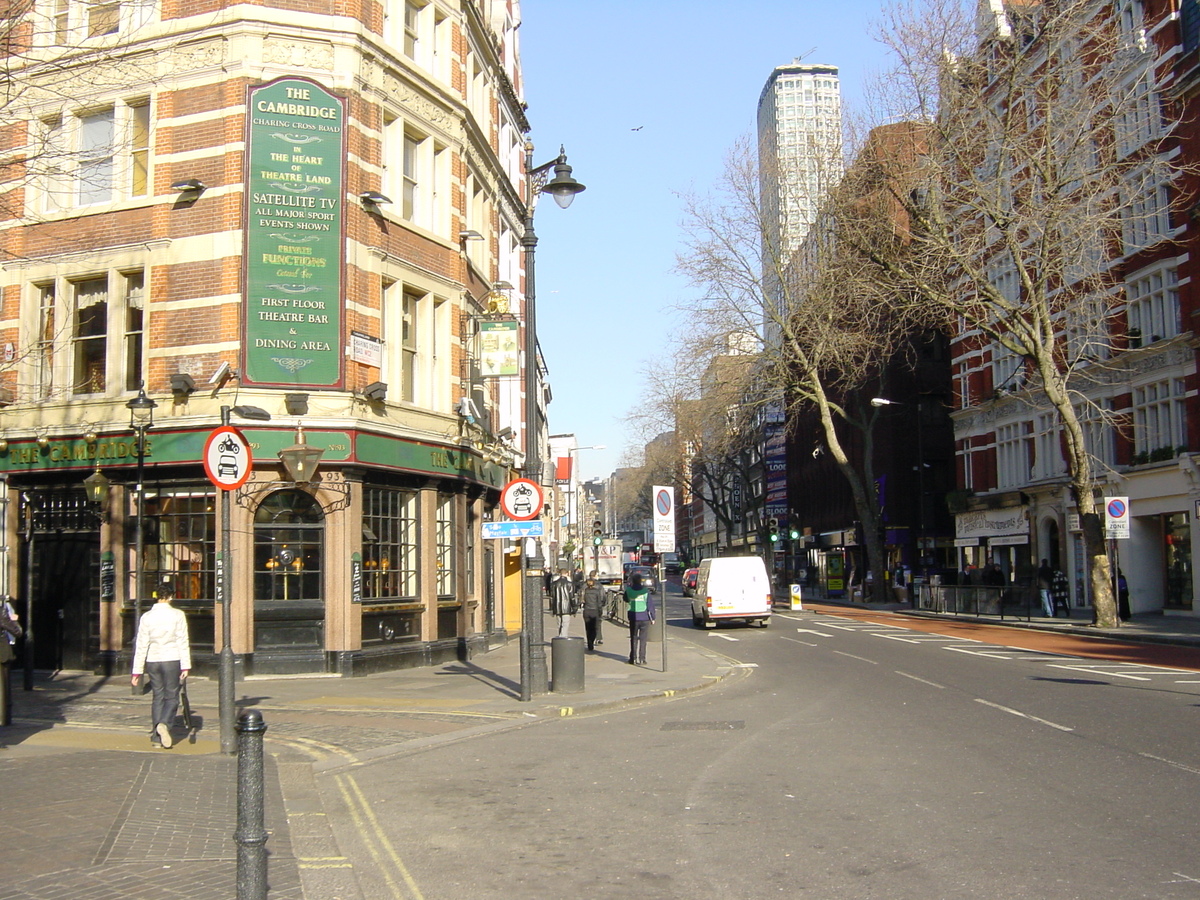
[(163, 654)]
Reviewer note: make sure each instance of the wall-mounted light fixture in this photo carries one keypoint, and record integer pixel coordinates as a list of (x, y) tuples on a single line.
[(301, 459), (97, 487), (470, 234), (189, 186), (296, 404), (183, 383), (376, 391)]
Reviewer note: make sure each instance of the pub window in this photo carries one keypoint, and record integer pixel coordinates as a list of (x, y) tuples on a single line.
[(389, 544)]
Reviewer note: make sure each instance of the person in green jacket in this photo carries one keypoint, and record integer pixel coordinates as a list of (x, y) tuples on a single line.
[(642, 610)]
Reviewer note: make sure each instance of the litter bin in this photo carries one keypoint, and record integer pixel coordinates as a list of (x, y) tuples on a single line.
[(566, 665)]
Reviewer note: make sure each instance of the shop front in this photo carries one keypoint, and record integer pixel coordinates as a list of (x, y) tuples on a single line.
[(375, 563)]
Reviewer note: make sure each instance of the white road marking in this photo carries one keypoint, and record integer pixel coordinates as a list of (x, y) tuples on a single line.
[(974, 652), (724, 637), (810, 631), (1171, 762), (1095, 670), (922, 680), (852, 656), (796, 641), (1017, 712), (744, 666)]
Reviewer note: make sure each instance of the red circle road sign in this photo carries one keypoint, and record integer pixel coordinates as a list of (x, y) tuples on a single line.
[(521, 499), (227, 458)]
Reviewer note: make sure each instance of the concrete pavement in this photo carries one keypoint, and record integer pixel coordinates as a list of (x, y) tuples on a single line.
[(93, 812)]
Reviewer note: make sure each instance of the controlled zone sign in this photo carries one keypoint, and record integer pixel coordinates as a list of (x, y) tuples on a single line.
[(227, 458), (664, 519), (521, 500), (1116, 517)]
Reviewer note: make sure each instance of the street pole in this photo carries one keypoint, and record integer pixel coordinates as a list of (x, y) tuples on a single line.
[(225, 669), (534, 678), (563, 188)]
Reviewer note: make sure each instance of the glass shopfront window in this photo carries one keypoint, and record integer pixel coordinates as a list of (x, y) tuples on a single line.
[(289, 607)]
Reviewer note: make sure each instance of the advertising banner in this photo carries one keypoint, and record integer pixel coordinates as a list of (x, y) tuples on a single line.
[(294, 247)]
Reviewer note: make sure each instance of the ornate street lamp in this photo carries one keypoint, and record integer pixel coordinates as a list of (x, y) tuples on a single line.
[(141, 419), (563, 188)]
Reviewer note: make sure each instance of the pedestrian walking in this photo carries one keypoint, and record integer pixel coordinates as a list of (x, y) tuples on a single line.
[(563, 602), (1123, 611), (1060, 593), (10, 630), (1045, 576), (162, 654), (641, 612), (592, 601)]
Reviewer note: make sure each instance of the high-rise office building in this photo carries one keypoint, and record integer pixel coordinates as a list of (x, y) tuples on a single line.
[(799, 148)]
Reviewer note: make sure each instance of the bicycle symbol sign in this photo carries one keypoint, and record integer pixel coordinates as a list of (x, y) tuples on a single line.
[(227, 458)]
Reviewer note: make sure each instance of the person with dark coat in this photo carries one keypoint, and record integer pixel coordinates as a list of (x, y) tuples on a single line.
[(562, 602), (642, 610), (1060, 593), (592, 601), (1045, 576), (1123, 597)]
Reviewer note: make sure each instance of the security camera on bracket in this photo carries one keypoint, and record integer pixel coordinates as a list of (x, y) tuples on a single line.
[(222, 375)]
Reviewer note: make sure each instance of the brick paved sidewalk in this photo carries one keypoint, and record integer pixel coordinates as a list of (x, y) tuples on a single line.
[(93, 812)]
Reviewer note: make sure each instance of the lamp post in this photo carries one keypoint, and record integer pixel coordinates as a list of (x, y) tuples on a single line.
[(563, 188), (141, 419), (226, 674)]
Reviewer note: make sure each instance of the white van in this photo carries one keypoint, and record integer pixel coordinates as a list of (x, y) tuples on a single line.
[(732, 587)]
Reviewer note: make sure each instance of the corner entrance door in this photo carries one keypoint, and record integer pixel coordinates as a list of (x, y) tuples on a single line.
[(64, 550), (289, 603)]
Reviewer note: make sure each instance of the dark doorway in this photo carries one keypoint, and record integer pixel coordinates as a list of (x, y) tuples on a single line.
[(65, 584)]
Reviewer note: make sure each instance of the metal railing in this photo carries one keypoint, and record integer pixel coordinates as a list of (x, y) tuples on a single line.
[(1012, 601)]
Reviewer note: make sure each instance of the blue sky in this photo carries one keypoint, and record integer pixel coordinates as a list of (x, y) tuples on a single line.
[(647, 96)]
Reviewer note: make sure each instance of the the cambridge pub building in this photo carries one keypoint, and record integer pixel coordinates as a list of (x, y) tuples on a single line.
[(299, 210)]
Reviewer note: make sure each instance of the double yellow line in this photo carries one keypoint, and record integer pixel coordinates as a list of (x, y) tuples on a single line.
[(390, 866)]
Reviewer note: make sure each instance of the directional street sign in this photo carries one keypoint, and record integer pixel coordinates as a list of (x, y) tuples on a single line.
[(227, 458), (513, 529)]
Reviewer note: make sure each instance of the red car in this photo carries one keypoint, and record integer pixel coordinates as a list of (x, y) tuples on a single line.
[(689, 581)]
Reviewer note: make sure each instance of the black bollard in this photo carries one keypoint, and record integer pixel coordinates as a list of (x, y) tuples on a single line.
[(251, 833)]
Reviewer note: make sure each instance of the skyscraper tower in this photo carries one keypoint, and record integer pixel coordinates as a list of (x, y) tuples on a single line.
[(799, 149)]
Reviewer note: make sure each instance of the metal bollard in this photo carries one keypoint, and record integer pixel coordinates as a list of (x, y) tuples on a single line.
[(566, 665), (251, 833)]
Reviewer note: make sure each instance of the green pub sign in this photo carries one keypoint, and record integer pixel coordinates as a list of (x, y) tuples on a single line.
[(294, 246)]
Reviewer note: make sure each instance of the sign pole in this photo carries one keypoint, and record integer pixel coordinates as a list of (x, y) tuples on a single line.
[(225, 671), (227, 462)]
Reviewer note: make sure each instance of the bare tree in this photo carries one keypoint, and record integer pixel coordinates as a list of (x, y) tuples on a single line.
[(827, 329), (1045, 178)]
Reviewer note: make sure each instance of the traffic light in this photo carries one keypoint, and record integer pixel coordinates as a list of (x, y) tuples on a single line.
[(794, 533), (597, 533), (773, 526)]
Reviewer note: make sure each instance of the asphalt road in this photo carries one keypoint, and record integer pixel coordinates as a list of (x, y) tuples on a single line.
[(852, 760)]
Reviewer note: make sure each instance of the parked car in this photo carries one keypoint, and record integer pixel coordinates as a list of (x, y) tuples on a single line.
[(647, 573), (689, 582)]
